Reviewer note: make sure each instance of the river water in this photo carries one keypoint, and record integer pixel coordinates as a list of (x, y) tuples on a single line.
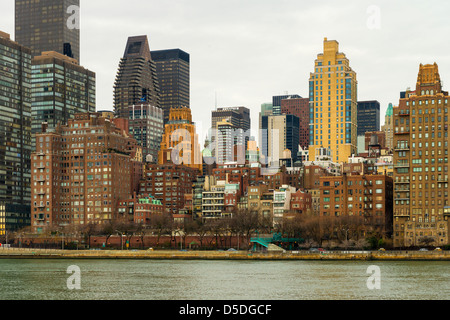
[(222, 280)]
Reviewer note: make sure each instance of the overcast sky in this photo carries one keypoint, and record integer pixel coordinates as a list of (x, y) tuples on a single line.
[(247, 51)]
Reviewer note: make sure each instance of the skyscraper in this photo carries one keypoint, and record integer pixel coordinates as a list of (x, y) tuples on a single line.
[(236, 122), (421, 201), (333, 104), (146, 125), (298, 107), (368, 117), (61, 88), (180, 140), (136, 81), (48, 25), (388, 127), (279, 133), (15, 134), (173, 70)]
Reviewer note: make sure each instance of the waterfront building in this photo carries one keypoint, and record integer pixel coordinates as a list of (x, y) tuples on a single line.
[(46, 25), (79, 172), (180, 140), (140, 208), (136, 80), (146, 125), (421, 202), (15, 135), (173, 71), (367, 197), (168, 183), (333, 104), (61, 89), (301, 202), (213, 199)]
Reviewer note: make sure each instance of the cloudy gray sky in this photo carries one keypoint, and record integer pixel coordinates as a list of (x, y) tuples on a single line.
[(246, 51)]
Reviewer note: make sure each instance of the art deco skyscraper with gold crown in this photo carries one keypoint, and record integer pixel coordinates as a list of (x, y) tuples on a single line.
[(333, 104), (180, 144), (421, 202)]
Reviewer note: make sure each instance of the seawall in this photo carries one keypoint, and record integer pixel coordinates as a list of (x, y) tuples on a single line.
[(14, 253)]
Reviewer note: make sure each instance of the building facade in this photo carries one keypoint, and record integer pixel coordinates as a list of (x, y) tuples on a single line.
[(61, 89), (368, 117), (333, 104), (279, 133), (298, 107), (173, 71), (15, 135), (47, 25), (168, 183), (80, 171), (146, 125), (421, 202), (180, 143), (364, 197)]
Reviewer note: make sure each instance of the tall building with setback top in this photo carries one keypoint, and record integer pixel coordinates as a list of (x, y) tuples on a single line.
[(48, 25), (421, 201), (180, 144), (173, 70), (388, 127), (136, 80), (333, 104), (15, 134)]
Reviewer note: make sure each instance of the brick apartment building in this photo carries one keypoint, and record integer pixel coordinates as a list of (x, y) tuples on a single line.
[(79, 172)]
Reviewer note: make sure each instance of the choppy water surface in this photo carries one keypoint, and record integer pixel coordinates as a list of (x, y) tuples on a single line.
[(222, 280)]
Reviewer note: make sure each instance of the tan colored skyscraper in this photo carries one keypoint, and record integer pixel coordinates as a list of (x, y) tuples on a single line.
[(421, 207), (333, 104), (181, 140)]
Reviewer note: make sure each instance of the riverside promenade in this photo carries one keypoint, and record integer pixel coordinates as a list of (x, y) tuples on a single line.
[(17, 253)]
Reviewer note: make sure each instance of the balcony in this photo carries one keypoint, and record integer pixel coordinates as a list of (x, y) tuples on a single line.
[(403, 113), (401, 165), (40, 192), (402, 130), (402, 182)]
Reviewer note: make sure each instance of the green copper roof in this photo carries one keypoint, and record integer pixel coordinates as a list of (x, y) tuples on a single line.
[(390, 110)]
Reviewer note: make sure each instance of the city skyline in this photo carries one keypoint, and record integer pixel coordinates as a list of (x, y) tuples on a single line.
[(247, 61)]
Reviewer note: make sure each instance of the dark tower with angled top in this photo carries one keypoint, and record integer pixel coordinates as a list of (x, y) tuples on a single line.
[(136, 80)]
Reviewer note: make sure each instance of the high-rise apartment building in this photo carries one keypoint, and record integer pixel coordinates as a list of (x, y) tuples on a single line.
[(238, 122), (276, 102), (173, 71), (298, 107), (146, 125), (48, 25), (388, 127), (136, 80), (279, 133), (180, 144), (421, 201), (368, 117), (333, 104), (15, 134), (80, 172), (61, 89), (237, 116)]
